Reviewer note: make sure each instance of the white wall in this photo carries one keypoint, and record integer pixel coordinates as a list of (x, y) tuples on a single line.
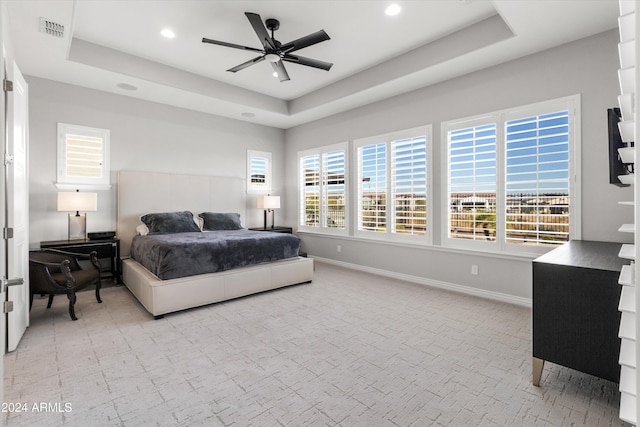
[(145, 136), (587, 67)]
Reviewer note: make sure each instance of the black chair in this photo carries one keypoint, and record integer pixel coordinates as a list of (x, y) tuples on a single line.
[(53, 272)]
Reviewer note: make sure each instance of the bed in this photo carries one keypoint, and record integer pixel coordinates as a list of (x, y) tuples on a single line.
[(141, 193)]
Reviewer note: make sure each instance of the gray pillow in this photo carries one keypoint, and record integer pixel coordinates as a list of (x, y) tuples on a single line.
[(169, 222), (220, 221)]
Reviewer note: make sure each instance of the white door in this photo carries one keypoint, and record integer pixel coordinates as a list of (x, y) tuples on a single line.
[(17, 212), (3, 135)]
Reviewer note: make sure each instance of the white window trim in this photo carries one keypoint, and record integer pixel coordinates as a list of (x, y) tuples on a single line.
[(427, 238), (320, 151), (484, 119), (257, 189), (65, 182), (571, 103)]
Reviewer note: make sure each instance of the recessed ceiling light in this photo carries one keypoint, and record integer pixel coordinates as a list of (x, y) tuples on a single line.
[(392, 9), (168, 33), (126, 86), (248, 115), (274, 74)]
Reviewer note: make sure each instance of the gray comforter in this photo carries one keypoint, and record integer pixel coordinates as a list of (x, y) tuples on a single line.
[(170, 256)]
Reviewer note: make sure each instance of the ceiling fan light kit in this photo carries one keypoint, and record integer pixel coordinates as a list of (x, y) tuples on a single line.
[(275, 52), (272, 57)]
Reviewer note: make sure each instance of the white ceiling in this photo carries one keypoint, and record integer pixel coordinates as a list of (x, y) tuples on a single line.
[(111, 42)]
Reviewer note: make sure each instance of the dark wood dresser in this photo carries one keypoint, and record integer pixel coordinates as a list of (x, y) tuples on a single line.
[(575, 308)]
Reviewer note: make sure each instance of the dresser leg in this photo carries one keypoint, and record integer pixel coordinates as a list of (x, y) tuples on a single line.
[(538, 364)]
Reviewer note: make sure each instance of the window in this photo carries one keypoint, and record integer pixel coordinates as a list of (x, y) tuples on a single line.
[(537, 179), (392, 193), (512, 180), (472, 182), (258, 172), (323, 189), (83, 157)]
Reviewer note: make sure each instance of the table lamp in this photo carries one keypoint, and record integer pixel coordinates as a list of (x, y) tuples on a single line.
[(269, 203), (75, 202)]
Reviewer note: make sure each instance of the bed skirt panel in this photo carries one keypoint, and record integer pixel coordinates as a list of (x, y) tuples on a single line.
[(160, 297)]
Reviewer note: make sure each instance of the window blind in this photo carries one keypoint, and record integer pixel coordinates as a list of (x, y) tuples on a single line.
[(537, 179), (409, 185), (310, 203), (372, 187), (334, 194), (259, 171), (84, 156), (472, 182)]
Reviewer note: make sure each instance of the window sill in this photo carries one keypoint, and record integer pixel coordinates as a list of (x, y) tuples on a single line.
[(528, 256), (82, 187)]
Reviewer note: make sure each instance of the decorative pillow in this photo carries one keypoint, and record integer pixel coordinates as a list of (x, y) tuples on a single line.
[(220, 221), (170, 222), (142, 230)]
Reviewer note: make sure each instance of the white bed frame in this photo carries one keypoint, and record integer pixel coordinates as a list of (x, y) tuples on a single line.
[(145, 192)]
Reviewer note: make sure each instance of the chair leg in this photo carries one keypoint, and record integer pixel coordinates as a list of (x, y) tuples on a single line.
[(98, 286), (50, 301), (72, 302)]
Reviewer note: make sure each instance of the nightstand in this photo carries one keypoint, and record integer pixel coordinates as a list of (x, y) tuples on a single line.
[(106, 248), (288, 230)]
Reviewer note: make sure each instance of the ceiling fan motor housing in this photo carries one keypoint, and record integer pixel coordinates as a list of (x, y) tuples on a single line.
[(272, 24)]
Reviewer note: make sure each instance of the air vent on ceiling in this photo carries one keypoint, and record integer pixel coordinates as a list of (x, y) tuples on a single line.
[(51, 28)]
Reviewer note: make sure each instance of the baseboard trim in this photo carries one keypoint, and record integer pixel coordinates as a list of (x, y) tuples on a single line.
[(482, 293)]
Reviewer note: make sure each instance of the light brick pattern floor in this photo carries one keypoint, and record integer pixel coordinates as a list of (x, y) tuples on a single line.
[(349, 349)]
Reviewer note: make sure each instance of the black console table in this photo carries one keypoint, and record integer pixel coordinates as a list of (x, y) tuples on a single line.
[(575, 309), (105, 248)]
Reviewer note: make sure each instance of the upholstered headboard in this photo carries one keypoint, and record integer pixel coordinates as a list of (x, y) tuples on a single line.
[(145, 192)]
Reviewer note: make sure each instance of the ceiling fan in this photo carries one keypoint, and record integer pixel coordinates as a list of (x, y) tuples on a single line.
[(275, 52)]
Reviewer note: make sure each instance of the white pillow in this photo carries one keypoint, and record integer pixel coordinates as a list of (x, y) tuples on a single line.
[(142, 230)]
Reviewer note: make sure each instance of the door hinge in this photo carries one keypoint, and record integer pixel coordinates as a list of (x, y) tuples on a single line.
[(8, 307), (7, 85), (8, 159), (7, 233)]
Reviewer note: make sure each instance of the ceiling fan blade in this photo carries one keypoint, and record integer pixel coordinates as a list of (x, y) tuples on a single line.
[(278, 67), (302, 42), (235, 46), (261, 31), (246, 64), (315, 63)]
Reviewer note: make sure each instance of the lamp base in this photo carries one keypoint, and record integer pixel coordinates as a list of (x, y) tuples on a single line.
[(77, 226)]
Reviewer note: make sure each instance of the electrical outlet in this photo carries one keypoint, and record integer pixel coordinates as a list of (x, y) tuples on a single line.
[(339, 248), (474, 270)]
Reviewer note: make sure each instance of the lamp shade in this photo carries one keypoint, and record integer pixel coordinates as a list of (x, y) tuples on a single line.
[(269, 202), (75, 201)]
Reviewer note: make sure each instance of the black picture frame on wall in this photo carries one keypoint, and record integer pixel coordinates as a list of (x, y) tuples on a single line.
[(616, 167)]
